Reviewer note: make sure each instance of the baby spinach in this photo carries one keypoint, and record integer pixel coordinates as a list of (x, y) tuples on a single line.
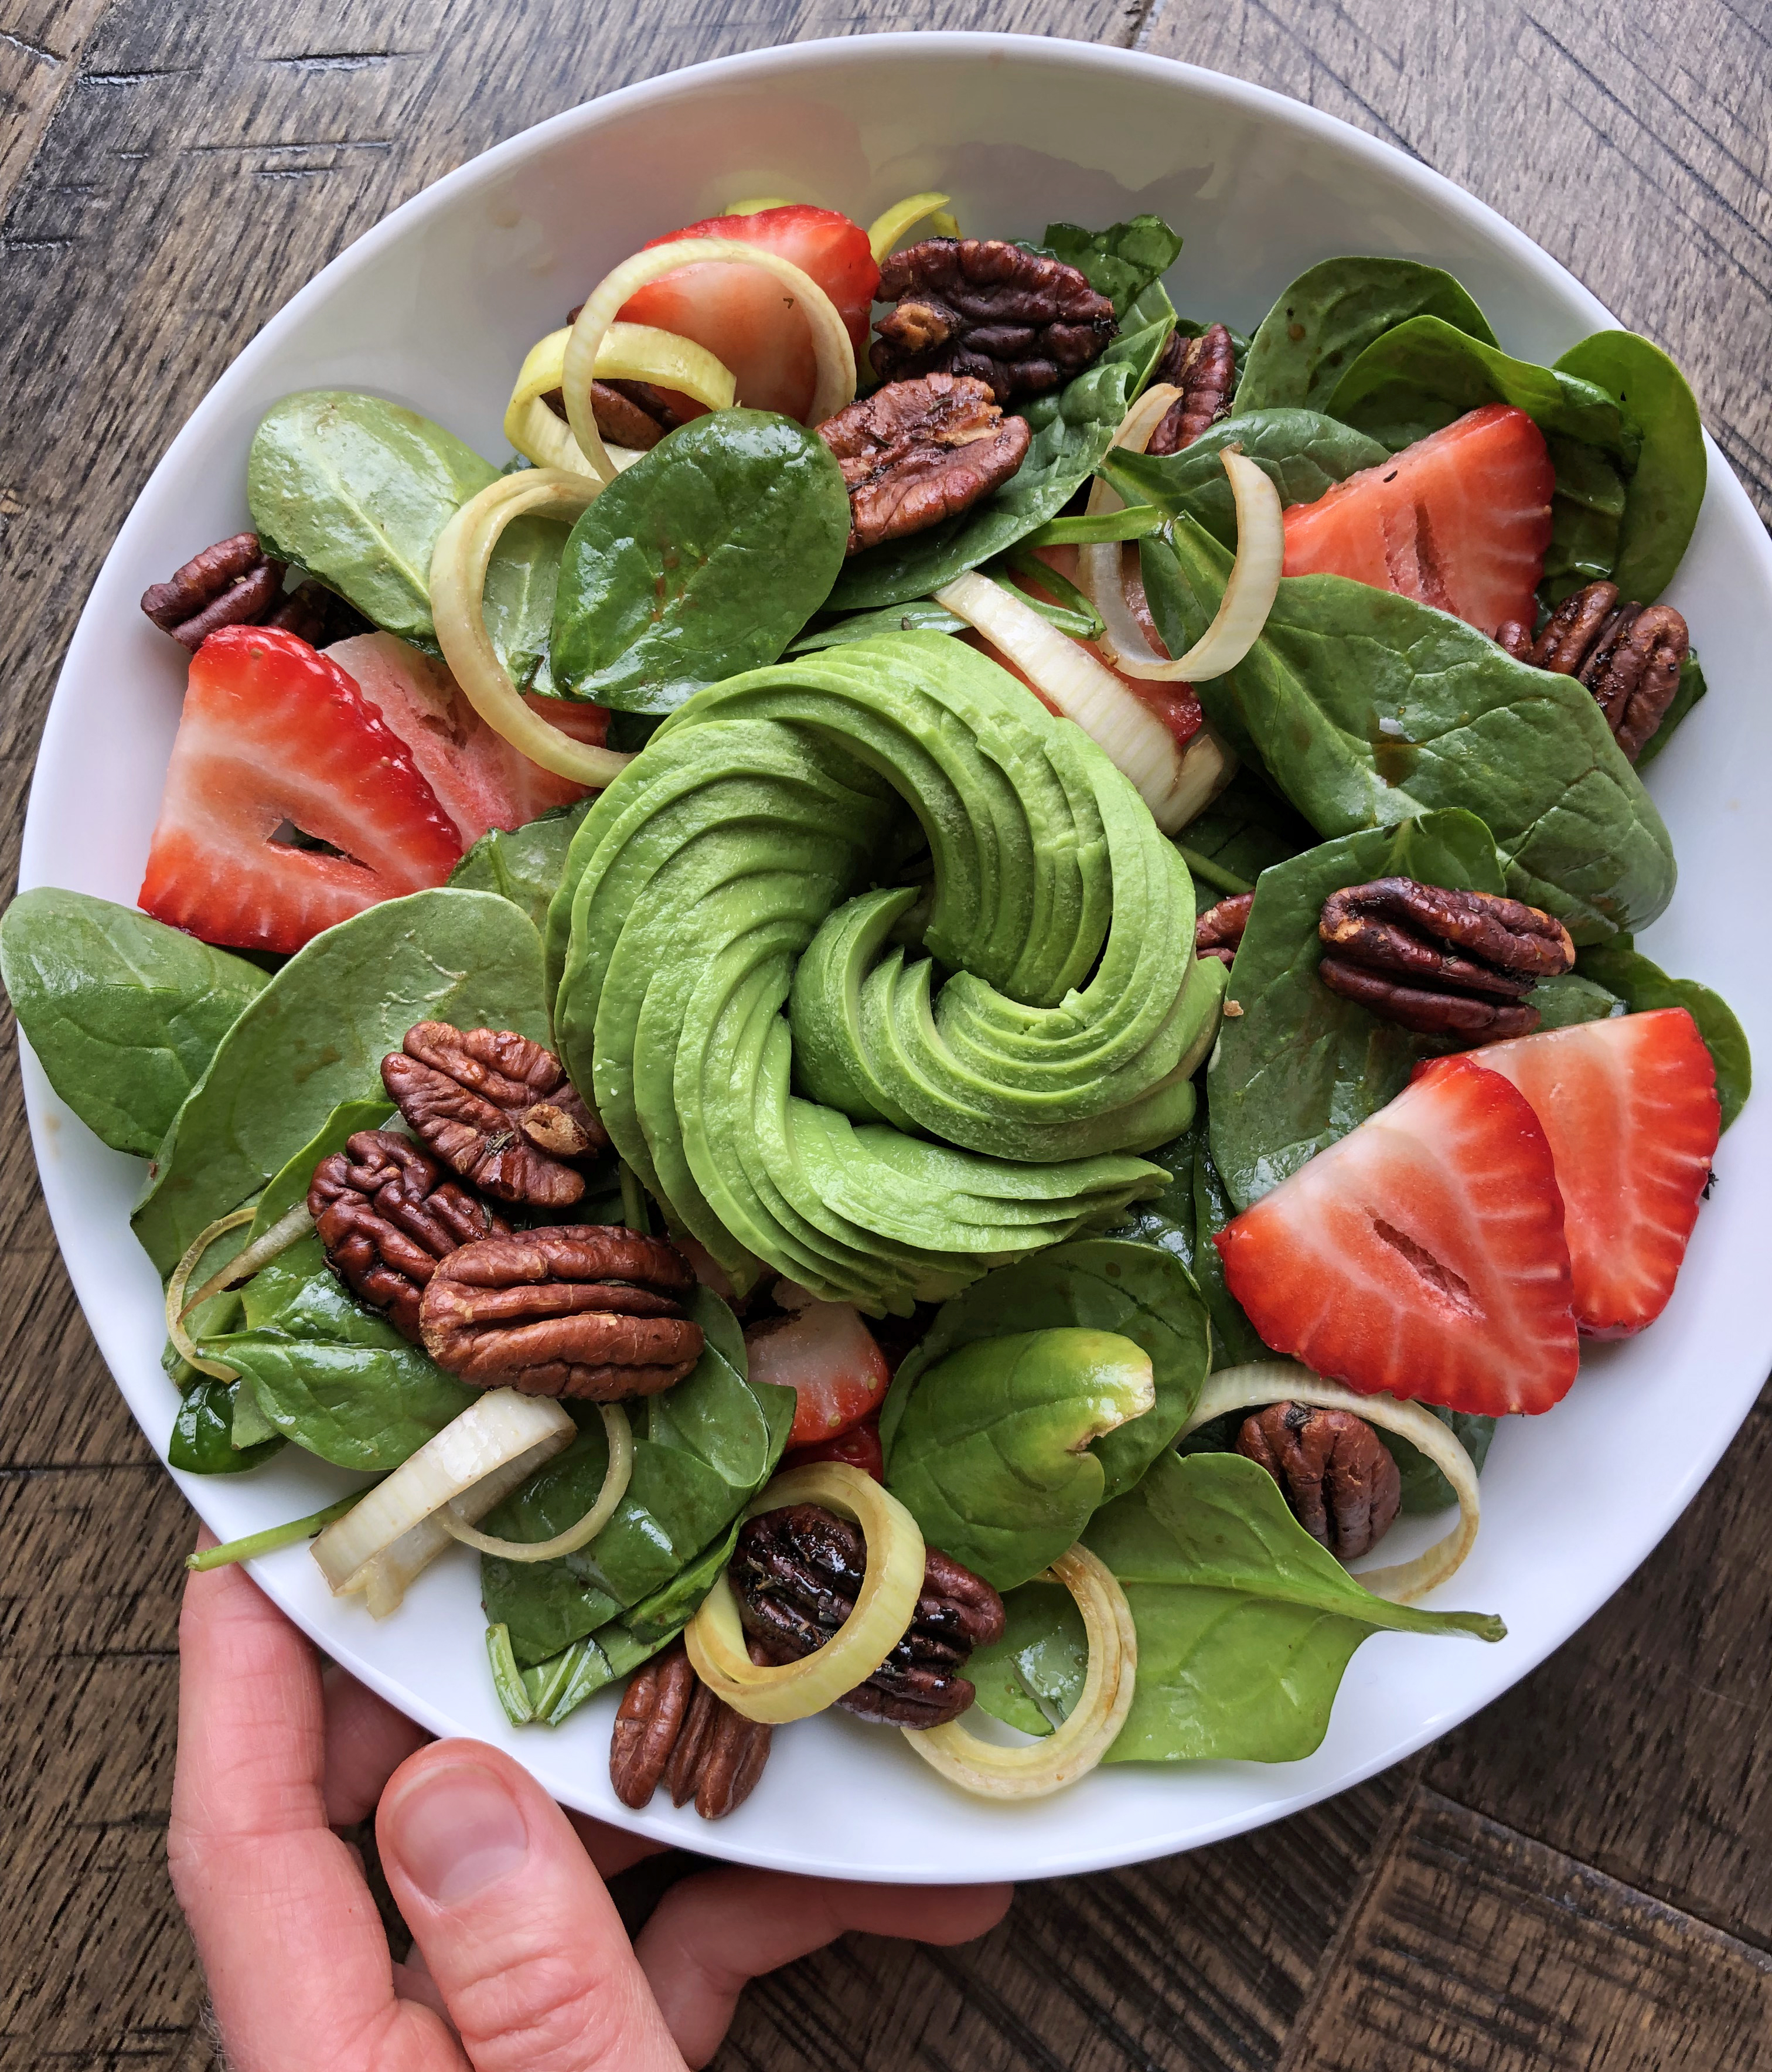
[(316, 1035), (289, 1184), (991, 1455), (1304, 455), (1569, 998), (1246, 827), (920, 616), (1587, 509), (1368, 709), (522, 580), (1032, 1677), (202, 1434), (1235, 1339), (1120, 263), (123, 1013), (1141, 1291), (1425, 1488), (523, 864), (703, 560), (1693, 687), (1661, 502), (1072, 428), (1328, 316), (1245, 1625), (1643, 985)]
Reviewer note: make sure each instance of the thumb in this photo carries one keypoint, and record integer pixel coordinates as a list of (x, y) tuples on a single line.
[(515, 1925)]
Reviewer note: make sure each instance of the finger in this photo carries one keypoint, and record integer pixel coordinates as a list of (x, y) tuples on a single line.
[(366, 1741), (515, 1923), (277, 1903), (613, 1849), (716, 1932)]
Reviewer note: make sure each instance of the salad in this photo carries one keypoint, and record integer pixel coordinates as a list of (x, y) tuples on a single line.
[(924, 1013)]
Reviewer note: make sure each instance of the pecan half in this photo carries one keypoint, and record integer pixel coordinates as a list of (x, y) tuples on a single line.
[(1204, 370), (1440, 962), (1629, 656), (1340, 1480), (1019, 320), (1219, 930), (232, 583), (498, 1108), (671, 1728), (314, 614), (916, 452), (581, 1309), (797, 1572), (386, 1215)]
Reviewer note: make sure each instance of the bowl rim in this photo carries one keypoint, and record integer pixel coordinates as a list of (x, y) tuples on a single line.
[(775, 63)]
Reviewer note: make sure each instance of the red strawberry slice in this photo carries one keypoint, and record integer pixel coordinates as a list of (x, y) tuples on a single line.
[(859, 1447), (1461, 519), (1423, 1255), (827, 1355), (1630, 1108), (747, 318), (480, 779), (274, 734)]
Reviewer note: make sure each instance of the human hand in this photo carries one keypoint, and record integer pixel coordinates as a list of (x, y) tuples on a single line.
[(519, 1961)]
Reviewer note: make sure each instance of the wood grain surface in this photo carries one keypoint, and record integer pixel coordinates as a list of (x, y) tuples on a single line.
[(1582, 1876)]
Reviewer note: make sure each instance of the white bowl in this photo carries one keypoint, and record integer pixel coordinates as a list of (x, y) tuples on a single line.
[(435, 307)]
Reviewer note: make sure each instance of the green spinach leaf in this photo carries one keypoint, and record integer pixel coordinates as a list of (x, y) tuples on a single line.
[(1425, 1488), (1586, 512), (703, 560), (123, 1011), (920, 616), (1120, 263), (1141, 1291), (522, 580), (1328, 316), (1236, 1342), (1246, 828), (316, 1035), (1368, 709), (523, 864), (202, 1434), (1031, 1678), (1643, 985)]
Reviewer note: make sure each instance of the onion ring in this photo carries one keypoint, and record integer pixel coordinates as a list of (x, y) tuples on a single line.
[(629, 353), (886, 229), (616, 1477), (177, 1305)]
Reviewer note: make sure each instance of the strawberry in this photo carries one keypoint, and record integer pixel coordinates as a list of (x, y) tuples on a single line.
[(274, 734), (1422, 1255), (1460, 519), (481, 781), (1630, 1109), (859, 1447), (747, 318), (826, 1354)]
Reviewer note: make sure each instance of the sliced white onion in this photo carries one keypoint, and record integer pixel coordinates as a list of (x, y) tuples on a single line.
[(458, 583), (620, 1434), (1254, 580), (177, 1305), (1283, 1381), (831, 341), (629, 353), (476, 1459), (288, 1228), (1035, 1769), (1134, 739), (884, 232)]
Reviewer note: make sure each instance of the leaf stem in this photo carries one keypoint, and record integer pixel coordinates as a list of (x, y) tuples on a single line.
[(272, 1537), (1214, 874)]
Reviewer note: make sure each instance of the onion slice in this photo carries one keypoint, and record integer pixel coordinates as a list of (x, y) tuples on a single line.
[(177, 1305), (629, 353), (1282, 1381), (478, 1458), (830, 343), (615, 1477), (458, 582), (883, 1606), (884, 232), (288, 1228), (1134, 740), (1036, 1769)]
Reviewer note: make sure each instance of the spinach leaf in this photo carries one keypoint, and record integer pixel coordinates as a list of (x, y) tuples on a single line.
[(1368, 709), (1661, 503), (1586, 512), (1246, 828), (522, 579), (123, 1011), (920, 616), (1420, 375), (1141, 1291), (1120, 263), (1425, 1488), (202, 1434), (316, 1035), (1329, 316), (1693, 687), (523, 864), (991, 1455), (1072, 429), (1235, 1339), (703, 560), (1165, 1220), (1246, 1624), (1302, 454), (1641, 985), (1032, 1677), (1569, 998), (289, 1185), (1300, 1067)]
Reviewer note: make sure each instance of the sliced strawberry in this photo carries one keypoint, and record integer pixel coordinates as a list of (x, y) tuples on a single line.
[(826, 1354), (859, 1447), (273, 735), (481, 781), (1461, 519), (747, 318), (1422, 1255), (1630, 1108)]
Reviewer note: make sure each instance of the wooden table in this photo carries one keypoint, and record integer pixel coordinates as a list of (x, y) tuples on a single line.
[(1581, 1877)]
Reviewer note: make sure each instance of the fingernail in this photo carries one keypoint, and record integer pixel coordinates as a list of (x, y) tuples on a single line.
[(455, 1831)]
